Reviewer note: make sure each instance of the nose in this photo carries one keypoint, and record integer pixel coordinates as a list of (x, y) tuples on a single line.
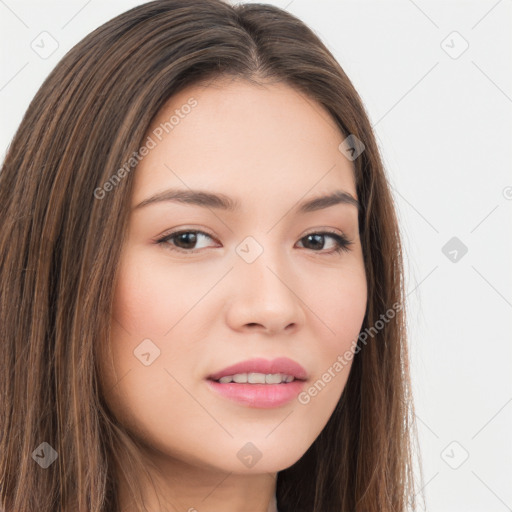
[(264, 297)]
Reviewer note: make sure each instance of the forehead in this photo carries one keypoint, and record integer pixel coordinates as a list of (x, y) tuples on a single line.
[(255, 141)]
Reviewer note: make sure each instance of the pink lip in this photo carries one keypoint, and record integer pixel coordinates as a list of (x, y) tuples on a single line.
[(262, 396), (279, 365)]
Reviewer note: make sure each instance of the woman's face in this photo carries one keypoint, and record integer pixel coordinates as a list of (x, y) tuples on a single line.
[(258, 281)]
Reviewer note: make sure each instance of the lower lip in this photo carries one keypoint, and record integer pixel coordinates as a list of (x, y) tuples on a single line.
[(263, 396)]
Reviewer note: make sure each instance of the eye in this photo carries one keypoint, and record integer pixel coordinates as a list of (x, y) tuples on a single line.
[(341, 243), (185, 241)]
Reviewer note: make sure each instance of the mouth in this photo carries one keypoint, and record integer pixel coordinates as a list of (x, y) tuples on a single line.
[(260, 383), (261, 371), (257, 378)]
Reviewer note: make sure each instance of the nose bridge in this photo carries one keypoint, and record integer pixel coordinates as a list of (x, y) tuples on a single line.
[(262, 264), (265, 285)]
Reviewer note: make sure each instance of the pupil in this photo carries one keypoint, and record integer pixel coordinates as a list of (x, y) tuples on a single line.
[(317, 239), (183, 238)]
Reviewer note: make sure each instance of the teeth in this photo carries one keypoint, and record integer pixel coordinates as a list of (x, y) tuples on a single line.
[(257, 378), (240, 378)]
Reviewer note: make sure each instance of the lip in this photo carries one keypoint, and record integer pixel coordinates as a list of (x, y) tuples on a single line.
[(262, 396), (259, 365)]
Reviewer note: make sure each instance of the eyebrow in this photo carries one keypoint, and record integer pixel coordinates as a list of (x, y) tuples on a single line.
[(223, 202)]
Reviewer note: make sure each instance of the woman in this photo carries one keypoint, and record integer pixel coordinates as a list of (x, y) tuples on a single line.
[(202, 289)]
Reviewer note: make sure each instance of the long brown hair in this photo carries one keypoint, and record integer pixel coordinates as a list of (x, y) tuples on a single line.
[(59, 244)]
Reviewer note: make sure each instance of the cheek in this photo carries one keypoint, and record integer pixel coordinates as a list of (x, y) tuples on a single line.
[(149, 299), (341, 309), (340, 305), (146, 306)]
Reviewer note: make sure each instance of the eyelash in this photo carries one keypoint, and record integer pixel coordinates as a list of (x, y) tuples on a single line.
[(342, 243)]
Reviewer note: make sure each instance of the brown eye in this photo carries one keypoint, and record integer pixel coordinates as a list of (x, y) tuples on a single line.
[(316, 242), (184, 240)]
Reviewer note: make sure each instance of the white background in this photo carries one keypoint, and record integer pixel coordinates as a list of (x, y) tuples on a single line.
[(443, 122)]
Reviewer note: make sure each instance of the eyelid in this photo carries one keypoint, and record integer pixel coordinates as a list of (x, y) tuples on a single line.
[(176, 231), (186, 229), (330, 231)]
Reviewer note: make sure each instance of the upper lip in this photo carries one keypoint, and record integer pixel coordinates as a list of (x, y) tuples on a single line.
[(282, 365)]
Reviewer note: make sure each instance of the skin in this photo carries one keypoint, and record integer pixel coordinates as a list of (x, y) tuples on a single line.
[(269, 147)]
